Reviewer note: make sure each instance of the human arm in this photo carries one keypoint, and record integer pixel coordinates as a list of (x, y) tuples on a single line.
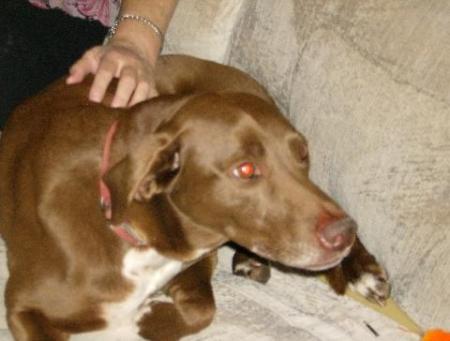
[(130, 55)]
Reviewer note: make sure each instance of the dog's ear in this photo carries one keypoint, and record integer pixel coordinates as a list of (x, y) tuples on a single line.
[(146, 171), (153, 156), (155, 166)]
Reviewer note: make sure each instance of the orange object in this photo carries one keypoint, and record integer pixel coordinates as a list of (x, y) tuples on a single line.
[(436, 335)]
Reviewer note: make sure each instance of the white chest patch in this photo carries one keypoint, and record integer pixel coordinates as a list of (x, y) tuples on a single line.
[(148, 271)]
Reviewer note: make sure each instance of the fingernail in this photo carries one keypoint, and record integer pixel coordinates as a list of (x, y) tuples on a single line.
[(94, 98), (115, 103)]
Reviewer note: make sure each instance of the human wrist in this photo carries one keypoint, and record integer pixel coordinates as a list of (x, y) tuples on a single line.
[(139, 33)]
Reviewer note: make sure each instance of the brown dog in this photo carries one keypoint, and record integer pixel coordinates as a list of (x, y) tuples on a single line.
[(209, 161)]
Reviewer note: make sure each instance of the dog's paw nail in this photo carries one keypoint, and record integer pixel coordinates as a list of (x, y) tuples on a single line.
[(254, 270), (374, 286), (242, 269)]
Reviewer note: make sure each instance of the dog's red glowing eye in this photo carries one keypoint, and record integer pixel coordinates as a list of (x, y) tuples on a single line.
[(246, 170)]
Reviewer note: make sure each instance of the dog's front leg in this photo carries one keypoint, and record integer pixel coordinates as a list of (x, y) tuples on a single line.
[(192, 308), (362, 272)]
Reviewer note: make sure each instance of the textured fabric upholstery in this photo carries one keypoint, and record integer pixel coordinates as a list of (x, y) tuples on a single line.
[(367, 83), (203, 28)]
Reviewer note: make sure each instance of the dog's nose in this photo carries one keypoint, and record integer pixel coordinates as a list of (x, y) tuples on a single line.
[(336, 234)]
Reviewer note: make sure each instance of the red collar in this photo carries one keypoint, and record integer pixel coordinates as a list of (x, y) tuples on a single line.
[(124, 230)]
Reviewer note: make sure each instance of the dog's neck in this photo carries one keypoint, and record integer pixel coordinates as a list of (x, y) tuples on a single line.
[(124, 230), (164, 227)]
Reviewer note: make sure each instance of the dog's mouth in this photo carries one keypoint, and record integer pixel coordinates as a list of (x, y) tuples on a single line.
[(328, 264), (316, 261)]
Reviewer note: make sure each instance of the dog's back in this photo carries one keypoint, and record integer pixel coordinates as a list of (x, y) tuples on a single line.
[(178, 74)]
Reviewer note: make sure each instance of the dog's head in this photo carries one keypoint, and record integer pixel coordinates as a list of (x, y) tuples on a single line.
[(234, 168)]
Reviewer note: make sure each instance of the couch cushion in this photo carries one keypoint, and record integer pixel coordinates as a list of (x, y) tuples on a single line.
[(203, 28), (367, 82)]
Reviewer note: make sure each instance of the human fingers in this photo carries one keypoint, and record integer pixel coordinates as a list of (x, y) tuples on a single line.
[(125, 87), (141, 93), (106, 71), (88, 63)]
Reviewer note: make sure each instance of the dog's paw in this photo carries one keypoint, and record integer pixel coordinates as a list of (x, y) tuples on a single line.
[(361, 272), (146, 306), (250, 266), (373, 284)]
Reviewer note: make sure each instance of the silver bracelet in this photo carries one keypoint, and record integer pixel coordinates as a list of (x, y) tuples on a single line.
[(112, 31)]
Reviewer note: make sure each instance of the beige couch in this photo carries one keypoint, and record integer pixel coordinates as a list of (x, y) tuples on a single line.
[(368, 83)]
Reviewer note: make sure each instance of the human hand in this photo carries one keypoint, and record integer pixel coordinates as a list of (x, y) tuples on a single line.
[(120, 60)]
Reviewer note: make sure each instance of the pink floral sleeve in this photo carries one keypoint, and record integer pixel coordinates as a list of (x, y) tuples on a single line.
[(104, 11)]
